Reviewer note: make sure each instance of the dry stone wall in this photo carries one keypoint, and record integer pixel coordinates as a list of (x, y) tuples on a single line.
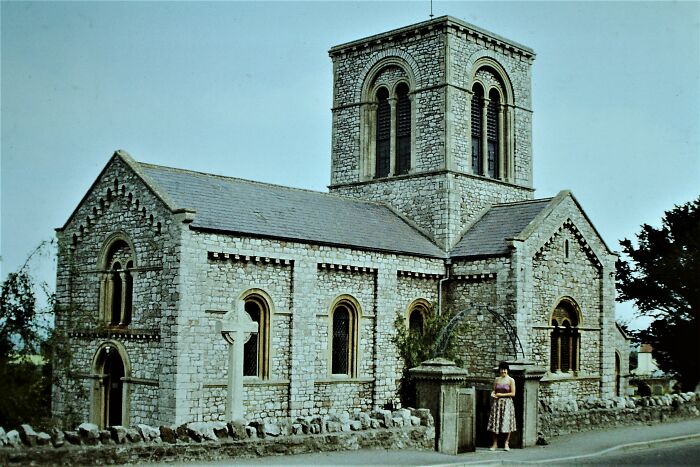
[(217, 441)]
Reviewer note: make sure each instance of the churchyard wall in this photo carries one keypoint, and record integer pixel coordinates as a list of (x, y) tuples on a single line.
[(217, 441), (560, 416)]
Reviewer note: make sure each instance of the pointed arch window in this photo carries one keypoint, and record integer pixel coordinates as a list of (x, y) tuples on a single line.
[(383, 134), (403, 130), (344, 340), (565, 338), (256, 350), (417, 316)]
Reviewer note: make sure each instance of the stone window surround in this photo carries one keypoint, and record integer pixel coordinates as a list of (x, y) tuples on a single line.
[(264, 302), (353, 306), (98, 377), (575, 334), (105, 267), (368, 116), (420, 305)]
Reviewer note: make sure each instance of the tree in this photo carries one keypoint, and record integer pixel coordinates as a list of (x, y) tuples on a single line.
[(25, 379), (415, 347), (662, 278)]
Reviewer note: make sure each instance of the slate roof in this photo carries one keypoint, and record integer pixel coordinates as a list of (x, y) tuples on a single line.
[(253, 208), (487, 237)]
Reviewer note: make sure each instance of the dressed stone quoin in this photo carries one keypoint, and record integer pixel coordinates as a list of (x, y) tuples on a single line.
[(431, 203)]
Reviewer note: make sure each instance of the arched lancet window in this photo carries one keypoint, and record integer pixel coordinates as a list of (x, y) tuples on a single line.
[(344, 340), (403, 130), (110, 398), (491, 116), (477, 128), (256, 350), (117, 284), (565, 338), (493, 133), (383, 134)]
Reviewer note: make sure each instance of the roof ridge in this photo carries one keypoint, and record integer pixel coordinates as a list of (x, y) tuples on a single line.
[(259, 183), (527, 201)]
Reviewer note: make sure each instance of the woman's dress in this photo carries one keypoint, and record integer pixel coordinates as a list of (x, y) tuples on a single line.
[(502, 416)]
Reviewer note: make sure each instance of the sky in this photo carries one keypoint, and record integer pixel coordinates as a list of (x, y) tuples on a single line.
[(244, 89)]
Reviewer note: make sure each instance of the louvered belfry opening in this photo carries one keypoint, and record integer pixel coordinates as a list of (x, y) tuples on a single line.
[(403, 130), (477, 128), (383, 134), (493, 132)]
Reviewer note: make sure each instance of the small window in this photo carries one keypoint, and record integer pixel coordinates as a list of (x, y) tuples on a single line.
[(416, 318), (256, 350), (344, 340), (493, 133)]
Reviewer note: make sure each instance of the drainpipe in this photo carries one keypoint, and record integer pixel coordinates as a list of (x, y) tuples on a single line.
[(448, 263)]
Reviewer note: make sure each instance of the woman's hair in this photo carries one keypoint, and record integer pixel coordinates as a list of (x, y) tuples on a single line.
[(503, 366)]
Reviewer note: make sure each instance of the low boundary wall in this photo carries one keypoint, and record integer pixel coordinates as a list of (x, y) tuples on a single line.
[(560, 417)]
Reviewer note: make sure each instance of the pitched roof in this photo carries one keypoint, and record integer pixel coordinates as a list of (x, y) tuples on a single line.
[(253, 208), (487, 237)]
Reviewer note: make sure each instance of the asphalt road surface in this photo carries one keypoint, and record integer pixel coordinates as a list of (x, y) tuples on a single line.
[(676, 453)]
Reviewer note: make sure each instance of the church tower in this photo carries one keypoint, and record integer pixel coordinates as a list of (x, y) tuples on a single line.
[(435, 120)]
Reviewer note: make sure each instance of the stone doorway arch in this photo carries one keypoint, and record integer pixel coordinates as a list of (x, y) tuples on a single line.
[(111, 370)]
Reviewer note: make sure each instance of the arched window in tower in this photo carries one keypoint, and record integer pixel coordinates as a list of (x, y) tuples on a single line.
[(117, 283), (565, 338), (493, 132), (403, 130), (416, 318), (344, 340), (477, 128), (383, 134), (256, 350)]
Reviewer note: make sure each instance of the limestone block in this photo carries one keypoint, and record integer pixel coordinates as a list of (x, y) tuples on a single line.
[(89, 434), (168, 435), (220, 429), (133, 435), (415, 421), (364, 420), (13, 439), (148, 432), (42, 439), (297, 429), (374, 423), (3, 437), (236, 429), (426, 418), (200, 431), (251, 432), (72, 437), (106, 437), (27, 435), (272, 429), (355, 425), (405, 414), (397, 422), (334, 427), (57, 438)]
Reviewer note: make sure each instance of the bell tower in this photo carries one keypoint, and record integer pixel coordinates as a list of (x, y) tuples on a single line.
[(435, 120)]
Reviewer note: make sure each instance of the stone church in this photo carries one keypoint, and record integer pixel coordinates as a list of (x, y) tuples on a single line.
[(430, 207)]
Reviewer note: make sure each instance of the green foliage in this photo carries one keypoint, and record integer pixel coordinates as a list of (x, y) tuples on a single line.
[(416, 347), (661, 279), (18, 313)]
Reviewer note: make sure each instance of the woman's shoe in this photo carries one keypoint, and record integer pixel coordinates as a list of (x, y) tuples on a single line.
[(492, 448), (506, 447)]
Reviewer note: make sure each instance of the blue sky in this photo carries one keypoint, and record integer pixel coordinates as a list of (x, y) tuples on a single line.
[(244, 89)]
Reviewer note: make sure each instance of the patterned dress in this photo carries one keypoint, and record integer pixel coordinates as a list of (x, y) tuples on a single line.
[(502, 416)]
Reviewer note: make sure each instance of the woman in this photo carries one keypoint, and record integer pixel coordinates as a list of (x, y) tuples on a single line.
[(502, 417)]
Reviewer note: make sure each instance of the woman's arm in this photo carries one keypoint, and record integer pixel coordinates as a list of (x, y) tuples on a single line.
[(511, 384)]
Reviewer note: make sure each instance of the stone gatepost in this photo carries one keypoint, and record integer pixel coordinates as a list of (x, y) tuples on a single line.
[(440, 388), (527, 378)]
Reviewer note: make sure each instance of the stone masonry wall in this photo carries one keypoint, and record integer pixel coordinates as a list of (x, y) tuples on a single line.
[(217, 441), (301, 282), (560, 417), (120, 203)]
